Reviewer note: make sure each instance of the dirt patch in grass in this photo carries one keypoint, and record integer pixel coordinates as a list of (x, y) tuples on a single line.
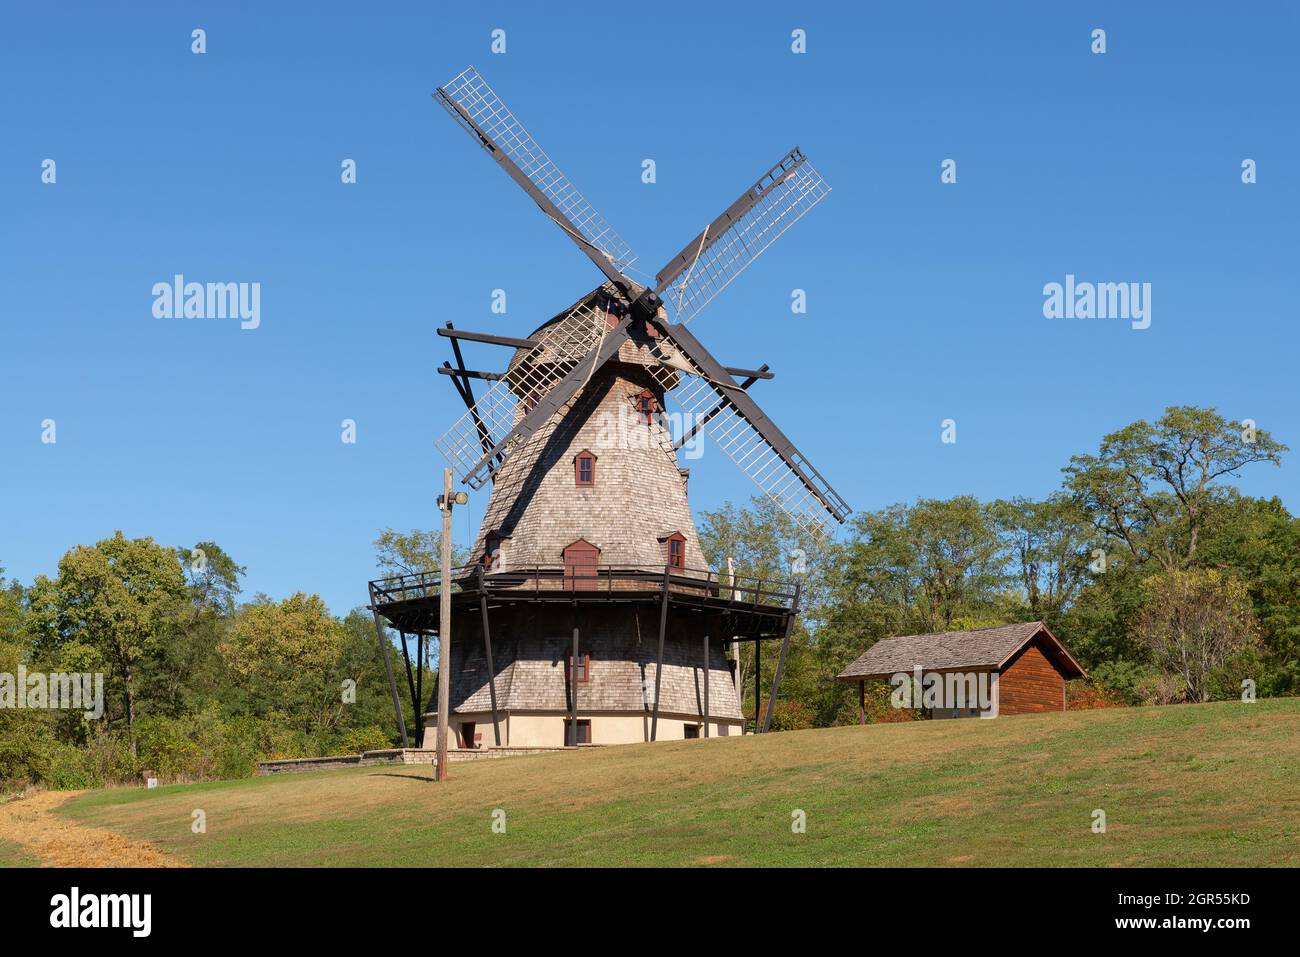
[(29, 823)]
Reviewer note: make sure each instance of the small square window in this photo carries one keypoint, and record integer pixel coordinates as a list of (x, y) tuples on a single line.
[(584, 468), (583, 735), (691, 731), (584, 666)]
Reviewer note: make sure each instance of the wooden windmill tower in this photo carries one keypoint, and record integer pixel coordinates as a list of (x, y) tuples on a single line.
[(587, 615)]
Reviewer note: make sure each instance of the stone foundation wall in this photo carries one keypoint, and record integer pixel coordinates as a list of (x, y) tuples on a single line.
[(391, 756)]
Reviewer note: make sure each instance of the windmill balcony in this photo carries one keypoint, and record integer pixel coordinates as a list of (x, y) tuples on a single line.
[(410, 602), (597, 579)]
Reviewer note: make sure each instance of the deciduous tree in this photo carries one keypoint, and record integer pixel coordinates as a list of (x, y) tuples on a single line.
[(112, 606), (1193, 621), (1150, 485), (288, 653)]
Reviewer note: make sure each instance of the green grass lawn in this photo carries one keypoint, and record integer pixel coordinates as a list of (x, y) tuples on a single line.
[(1193, 785)]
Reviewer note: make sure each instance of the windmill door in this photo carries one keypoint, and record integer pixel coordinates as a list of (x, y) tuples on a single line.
[(581, 560)]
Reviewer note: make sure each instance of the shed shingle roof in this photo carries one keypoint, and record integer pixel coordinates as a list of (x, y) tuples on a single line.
[(981, 648)]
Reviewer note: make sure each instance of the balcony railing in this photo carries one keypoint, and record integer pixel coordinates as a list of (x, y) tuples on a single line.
[(589, 581)]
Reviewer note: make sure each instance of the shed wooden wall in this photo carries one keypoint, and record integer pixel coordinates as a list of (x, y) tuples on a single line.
[(1030, 683)]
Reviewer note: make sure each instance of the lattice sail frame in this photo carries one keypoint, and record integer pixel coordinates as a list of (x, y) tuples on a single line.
[(699, 401), (745, 240), (473, 95), (501, 407)]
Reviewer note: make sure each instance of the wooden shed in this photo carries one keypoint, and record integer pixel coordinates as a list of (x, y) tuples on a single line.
[(1016, 669)]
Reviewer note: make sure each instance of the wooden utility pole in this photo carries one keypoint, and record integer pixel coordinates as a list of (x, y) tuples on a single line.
[(444, 630), (735, 645)]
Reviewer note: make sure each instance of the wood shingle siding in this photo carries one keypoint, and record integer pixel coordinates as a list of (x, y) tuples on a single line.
[(1029, 683), (531, 664), (640, 490)]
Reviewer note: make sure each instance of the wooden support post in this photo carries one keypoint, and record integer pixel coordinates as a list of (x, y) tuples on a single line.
[(659, 668), (415, 701), (487, 649), (444, 632), (862, 701), (645, 708), (758, 687), (706, 682), (735, 645), (780, 661), (573, 696), (388, 669), (420, 669)]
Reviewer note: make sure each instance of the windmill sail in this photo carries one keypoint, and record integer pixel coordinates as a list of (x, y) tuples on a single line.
[(544, 380), (532, 390), (710, 398), (726, 247), (477, 108)]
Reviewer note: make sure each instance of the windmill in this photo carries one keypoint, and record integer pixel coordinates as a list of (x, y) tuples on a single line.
[(587, 533)]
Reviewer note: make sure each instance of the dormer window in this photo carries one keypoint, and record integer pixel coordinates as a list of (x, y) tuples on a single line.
[(584, 468), (493, 552), (674, 549), (646, 406)]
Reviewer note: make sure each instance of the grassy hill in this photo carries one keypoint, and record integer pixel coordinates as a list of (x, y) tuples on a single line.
[(1215, 784)]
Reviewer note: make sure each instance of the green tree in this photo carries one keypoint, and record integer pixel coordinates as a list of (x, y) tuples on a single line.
[(931, 566), (288, 656), (1194, 621), (407, 553), (189, 672), (12, 610), (112, 608), (361, 662), (1096, 625), (1258, 541), (1150, 486), (1047, 546), (26, 735)]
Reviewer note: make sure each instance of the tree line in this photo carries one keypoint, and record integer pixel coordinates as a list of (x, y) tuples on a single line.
[(1164, 580), (197, 682)]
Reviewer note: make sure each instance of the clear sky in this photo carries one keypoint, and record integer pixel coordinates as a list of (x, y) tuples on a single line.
[(925, 299)]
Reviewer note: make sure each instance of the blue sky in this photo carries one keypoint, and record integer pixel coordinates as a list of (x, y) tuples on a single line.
[(924, 299)]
